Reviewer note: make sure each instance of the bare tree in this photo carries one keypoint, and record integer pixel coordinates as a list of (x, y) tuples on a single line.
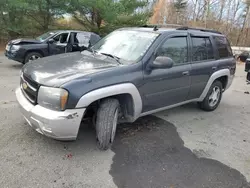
[(245, 16), (231, 17), (222, 7)]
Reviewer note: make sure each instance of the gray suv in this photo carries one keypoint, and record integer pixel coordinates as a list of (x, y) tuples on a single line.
[(130, 73)]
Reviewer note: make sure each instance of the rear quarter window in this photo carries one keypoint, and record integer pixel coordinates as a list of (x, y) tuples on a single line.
[(223, 46)]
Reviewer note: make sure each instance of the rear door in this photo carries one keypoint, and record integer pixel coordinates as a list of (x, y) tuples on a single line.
[(203, 63), (80, 41)]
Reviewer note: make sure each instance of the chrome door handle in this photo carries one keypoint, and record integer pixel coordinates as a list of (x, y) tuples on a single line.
[(186, 73)]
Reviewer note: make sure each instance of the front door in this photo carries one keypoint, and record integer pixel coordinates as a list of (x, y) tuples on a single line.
[(60, 44), (165, 87)]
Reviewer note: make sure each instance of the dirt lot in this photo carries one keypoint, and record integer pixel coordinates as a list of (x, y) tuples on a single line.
[(179, 148)]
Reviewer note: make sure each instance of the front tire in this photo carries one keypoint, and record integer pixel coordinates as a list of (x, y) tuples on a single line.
[(31, 56), (106, 122), (213, 98)]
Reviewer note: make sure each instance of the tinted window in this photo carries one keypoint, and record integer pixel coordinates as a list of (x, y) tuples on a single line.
[(62, 38), (210, 50), (202, 49), (176, 49), (223, 46)]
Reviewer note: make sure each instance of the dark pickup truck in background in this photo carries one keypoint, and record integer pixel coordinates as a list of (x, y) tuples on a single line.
[(50, 43)]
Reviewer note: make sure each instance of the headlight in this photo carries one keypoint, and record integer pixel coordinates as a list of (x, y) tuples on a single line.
[(53, 98), (15, 48)]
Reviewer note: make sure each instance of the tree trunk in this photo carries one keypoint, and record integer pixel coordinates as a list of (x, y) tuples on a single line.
[(247, 41), (243, 26), (194, 10), (177, 17), (206, 12), (236, 10), (228, 30), (47, 16), (98, 20), (221, 10)]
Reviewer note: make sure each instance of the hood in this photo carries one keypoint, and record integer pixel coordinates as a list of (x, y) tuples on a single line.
[(59, 69), (25, 41)]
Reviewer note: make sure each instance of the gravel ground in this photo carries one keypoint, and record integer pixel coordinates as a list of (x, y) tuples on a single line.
[(152, 154), (30, 160), (222, 135), (182, 147)]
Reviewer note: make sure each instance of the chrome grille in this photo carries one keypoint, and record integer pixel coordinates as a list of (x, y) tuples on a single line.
[(29, 88)]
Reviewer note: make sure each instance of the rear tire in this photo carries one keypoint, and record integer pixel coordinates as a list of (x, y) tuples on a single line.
[(213, 98), (31, 56), (106, 122)]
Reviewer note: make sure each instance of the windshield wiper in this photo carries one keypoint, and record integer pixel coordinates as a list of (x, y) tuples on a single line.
[(112, 56)]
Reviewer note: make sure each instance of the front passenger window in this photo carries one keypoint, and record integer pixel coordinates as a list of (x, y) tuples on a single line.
[(175, 48), (62, 38)]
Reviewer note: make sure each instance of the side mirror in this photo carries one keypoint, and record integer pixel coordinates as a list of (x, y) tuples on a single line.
[(162, 62), (51, 41)]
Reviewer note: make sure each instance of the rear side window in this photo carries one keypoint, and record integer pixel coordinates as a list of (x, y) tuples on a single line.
[(223, 46), (202, 49)]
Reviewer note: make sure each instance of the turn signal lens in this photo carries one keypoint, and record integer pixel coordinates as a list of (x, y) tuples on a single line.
[(64, 99)]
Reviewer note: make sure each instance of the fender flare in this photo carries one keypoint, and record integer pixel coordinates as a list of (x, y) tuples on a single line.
[(213, 77), (126, 88)]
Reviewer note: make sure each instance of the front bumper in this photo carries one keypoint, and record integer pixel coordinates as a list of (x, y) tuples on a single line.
[(16, 56), (60, 125)]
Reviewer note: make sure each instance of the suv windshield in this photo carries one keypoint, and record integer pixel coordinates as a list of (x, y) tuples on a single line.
[(45, 35), (125, 45)]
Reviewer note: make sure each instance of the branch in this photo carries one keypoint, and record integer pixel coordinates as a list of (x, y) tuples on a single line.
[(34, 19), (82, 22)]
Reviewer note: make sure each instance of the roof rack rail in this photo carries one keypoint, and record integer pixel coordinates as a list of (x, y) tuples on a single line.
[(199, 29), (179, 27), (162, 25)]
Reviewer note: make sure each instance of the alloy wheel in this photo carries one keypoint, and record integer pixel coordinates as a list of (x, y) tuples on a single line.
[(33, 57), (214, 96)]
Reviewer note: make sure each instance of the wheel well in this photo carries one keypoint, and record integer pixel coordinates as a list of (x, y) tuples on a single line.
[(223, 80), (126, 104), (29, 51)]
